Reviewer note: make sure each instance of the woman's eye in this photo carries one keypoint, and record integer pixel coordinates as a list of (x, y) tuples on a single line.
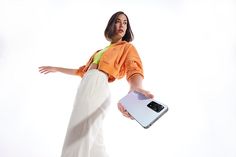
[(117, 21)]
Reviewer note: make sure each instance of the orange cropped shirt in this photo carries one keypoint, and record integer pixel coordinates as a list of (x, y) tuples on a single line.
[(119, 60)]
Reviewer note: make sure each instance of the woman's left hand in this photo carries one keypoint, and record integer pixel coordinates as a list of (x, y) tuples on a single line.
[(124, 111)]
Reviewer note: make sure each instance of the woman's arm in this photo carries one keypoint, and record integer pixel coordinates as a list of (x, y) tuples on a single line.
[(50, 69), (135, 82)]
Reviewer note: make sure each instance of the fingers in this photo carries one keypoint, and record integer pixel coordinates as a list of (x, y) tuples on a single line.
[(149, 95), (45, 69), (124, 111), (42, 70), (120, 107), (145, 93), (126, 114)]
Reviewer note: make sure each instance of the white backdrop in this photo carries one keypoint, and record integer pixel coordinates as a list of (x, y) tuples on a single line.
[(189, 55)]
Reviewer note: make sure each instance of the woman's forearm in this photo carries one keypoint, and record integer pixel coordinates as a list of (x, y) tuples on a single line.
[(66, 70), (135, 82), (52, 69), (136, 85)]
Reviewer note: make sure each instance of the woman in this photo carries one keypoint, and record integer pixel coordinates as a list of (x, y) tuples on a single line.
[(119, 58)]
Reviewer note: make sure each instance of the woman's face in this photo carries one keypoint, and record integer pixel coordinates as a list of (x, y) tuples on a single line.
[(120, 26)]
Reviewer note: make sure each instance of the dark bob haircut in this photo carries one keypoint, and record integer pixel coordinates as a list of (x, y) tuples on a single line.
[(110, 29)]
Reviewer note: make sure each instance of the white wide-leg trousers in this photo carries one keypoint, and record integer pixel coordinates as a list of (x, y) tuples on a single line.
[(84, 137)]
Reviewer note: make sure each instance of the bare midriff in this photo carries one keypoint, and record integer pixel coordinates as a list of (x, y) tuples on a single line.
[(95, 66)]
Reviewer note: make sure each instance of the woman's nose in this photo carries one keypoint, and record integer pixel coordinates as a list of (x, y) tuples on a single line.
[(121, 25)]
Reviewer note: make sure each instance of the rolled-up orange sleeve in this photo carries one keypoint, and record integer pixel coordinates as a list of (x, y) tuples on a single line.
[(133, 63), (81, 71), (84, 68)]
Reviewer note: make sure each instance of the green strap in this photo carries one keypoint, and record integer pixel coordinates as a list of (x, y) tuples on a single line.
[(99, 54)]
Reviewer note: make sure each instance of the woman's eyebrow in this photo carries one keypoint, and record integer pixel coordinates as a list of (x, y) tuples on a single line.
[(120, 19)]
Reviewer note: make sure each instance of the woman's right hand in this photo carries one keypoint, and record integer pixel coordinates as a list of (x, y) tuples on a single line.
[(47, 69)]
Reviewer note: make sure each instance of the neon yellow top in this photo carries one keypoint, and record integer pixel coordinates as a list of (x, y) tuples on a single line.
[(99, 54)]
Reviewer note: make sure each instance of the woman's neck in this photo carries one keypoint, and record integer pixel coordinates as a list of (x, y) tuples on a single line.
[(116, 40)]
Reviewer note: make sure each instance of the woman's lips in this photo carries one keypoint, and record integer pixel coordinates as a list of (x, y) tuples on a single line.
[(120, 30)]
